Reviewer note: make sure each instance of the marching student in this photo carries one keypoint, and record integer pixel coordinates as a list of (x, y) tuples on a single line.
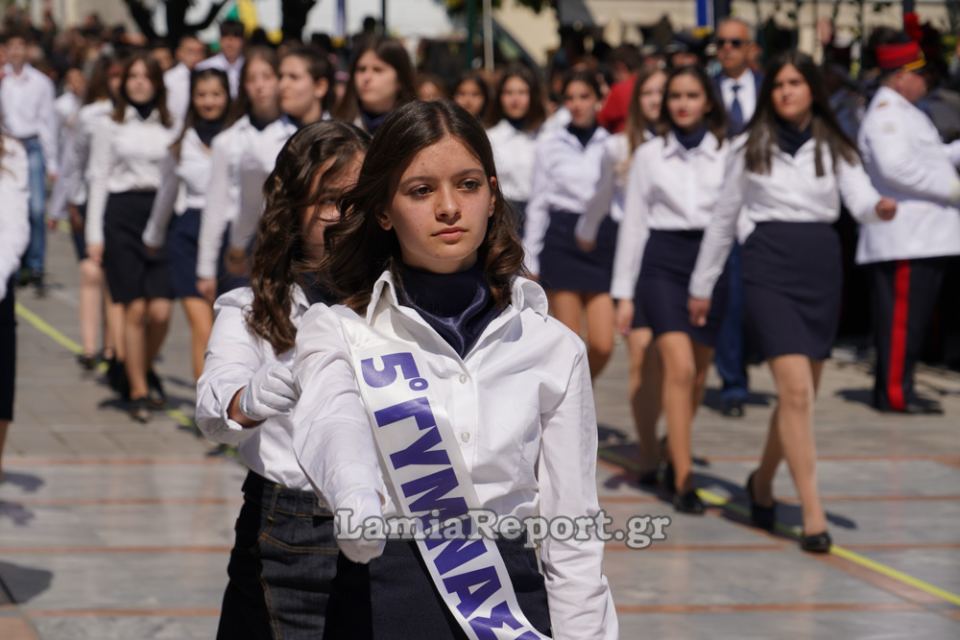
[(643, 112), (125, 171), (190, 52), (305, 93), (428, 264), (230, 59), (782, 191), (285, 555), (566, 168), (381, 79), (252, 113), (67, 110), (183, 190), (14, 238), (472, 94), (672, 188), (906, 259), (518, 112)]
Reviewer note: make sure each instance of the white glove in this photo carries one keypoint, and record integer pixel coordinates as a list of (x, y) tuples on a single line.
[(353, 510), (272, 392)]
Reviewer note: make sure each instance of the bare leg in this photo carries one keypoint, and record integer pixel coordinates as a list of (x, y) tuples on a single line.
[(91, 305), (679, 382), (136, 347), (567, 307), (116, 321), (600, 329), (158, 322), (645, 390), (200, 316)]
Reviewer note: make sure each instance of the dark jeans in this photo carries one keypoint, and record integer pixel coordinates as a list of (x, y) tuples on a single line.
[(37, 183), (281, 567), (729, 356)]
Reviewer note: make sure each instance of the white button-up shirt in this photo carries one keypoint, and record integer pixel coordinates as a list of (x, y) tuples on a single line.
[(184, 186), (177, 81), (67, 108), (791, 192), (90, 118), (668, 187), (14, 219), (233, 355), (907, 161), (564, 176), (125, 156), (521, 407), (26, 106), (513, 154), (220, 61), (610, 191), (223, 194)]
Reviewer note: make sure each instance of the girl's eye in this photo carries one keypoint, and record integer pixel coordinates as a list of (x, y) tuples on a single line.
[(421, 191), (471, 184)]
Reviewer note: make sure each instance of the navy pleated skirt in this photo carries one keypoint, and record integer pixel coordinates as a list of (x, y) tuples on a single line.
[(564, 267), (663, 286), (183, 239), (792, 287), (393, 598)]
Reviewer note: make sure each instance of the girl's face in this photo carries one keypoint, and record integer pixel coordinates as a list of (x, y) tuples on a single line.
[(261, 85), (114, 78), (376, 83), (469, 95), (651, 96), (687, 102), (428, 92), (441, 208), (581, 101), (301, 96), (210, 99), (138, 87), (792, 98), (515, 98), (315, 219)]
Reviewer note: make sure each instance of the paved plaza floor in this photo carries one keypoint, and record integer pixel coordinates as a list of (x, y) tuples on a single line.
[(115, 530)]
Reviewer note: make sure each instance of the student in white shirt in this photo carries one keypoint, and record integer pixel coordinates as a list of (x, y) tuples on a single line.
[(608, 199), (783, 185), (67, 111), (14, 238), (252, 113), (183, 191), (125, 172), (26, 109), (672, 188), (565, 171), (518, 112), (426, 260), (381, 79), (190, 51), (285, 557), (230, 59)]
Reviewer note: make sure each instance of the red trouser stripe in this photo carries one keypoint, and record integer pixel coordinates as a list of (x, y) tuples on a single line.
[(898, 335)]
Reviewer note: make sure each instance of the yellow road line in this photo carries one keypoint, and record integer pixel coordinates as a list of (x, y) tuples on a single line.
[(794, 532), (51, 332)]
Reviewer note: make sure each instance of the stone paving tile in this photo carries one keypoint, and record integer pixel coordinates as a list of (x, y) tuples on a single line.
[(200, 627)]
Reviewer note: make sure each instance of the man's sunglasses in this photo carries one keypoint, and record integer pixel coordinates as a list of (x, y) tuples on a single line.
[(736, 43)]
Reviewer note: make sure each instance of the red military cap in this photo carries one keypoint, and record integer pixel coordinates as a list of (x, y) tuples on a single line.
[(905, 55)]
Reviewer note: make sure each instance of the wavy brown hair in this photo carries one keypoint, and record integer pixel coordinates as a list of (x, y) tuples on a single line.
[(358, 249), (280, 257), (715, 119), (155, 75)]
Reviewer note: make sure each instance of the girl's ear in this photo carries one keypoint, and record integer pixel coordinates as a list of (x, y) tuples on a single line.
[(384, 221), (321, 88), (493, 196)]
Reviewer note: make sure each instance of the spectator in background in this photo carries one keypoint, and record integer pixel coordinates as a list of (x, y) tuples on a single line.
[(26, 105), (684, 50), (67, 109), (230, 58), (190, 52), (160, 51), (625, 61)]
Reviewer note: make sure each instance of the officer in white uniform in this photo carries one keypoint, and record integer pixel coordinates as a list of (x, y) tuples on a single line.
[(907, 161)]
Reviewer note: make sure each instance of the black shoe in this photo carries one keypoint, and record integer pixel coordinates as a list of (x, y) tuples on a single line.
[(156, 396), (816, 543), (39, 285), (87, 363), (761, 516), (688, 502), (648, 478), (24, 277), (914, 407), (732, 409), (117, 378), (139, 411), (667, 476)]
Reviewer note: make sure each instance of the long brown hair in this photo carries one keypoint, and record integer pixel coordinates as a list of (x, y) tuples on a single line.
[(391, 51), (155, 75), (536, 112), (637, 127), (715, 119), (359, 249), (280, 255), (191, 118), (99, 86), (762, 136), (241, 106)]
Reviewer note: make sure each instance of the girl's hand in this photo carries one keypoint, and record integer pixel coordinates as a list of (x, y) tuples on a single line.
[(236, 261), (886, 208), (207, 288), (586, 245), (699, 309), (95, 252), (624, 316)]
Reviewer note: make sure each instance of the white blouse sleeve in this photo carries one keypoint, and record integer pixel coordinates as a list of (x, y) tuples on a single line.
[(598, 207), (14, 219), (722, 230), (857, 192), (537, 215), (581, 605), (232, 358), (632, 236), (220, 208), (98, 175), (156, 230), (332, 436)]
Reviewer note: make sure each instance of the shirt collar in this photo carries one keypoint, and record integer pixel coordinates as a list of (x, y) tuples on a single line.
[(131, 115), (886, 93), (24, 72), (746, 78), (300, 301), (707, 146)]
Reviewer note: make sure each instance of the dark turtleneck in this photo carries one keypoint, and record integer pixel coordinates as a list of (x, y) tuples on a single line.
[(790, 139), (372, 121), (520, 124), (583, 134), (144, 109), (458, 306), (207, 129), (260, 123), (690, 139)]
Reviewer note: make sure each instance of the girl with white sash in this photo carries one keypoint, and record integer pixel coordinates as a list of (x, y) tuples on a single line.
[(437, 325)]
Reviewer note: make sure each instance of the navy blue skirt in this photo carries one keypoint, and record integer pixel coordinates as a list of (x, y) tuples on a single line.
[(393, 598), (182, 241), (564, 267), (664, 282), (792, 287), (132, 272)]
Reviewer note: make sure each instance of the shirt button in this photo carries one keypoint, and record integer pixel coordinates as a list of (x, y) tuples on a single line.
[(465, 436), (463, 379)]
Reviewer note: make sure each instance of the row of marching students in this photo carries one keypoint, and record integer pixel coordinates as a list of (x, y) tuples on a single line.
[(167, 209)]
